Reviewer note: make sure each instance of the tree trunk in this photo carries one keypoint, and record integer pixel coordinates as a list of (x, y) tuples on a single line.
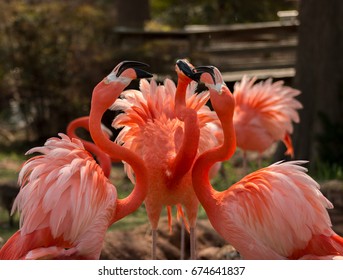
[(319, 76)]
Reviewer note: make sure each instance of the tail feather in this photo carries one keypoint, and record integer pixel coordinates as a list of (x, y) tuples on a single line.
[(289, 145), (181, 214), (19, 245), (321, 247)]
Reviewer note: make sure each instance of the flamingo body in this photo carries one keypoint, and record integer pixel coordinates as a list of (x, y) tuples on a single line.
[(66, 204), (153, 130), (276, 212), (264, 113)]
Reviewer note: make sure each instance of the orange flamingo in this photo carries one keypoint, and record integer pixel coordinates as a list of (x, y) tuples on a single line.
[(161, 124), (276, 212), (263, 115), (66, 201)]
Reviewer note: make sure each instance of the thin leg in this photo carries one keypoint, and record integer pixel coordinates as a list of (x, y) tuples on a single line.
[(193, 243), (154, 243), (182, 242)]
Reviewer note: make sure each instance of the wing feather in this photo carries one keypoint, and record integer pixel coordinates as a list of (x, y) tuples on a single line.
[(63, 189), (280, 207)]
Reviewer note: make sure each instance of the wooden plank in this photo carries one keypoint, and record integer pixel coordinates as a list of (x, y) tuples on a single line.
[(280, 73), (267, 48), (249, 47)]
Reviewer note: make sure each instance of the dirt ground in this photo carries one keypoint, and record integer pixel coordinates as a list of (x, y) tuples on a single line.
[(136, 243)]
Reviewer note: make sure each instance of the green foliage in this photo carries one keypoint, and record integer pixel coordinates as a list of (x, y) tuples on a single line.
[(178, 13), (54, 53), (325, 171)]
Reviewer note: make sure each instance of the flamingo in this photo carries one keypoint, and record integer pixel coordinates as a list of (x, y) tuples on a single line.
[(162, 124), (264, 112), (66, 204), (66, 201), (276, 212)]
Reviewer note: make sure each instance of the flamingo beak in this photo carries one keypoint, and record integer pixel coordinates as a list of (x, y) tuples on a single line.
[(206, 69), (188, 70), (133, 64)]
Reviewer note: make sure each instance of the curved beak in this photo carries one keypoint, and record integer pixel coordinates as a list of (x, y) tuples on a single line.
[(134, 64), (206, 69), (188, 70)]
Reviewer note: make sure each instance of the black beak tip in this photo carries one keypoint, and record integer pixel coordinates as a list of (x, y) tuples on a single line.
[(133, 64), (142, 74), (185, 68)]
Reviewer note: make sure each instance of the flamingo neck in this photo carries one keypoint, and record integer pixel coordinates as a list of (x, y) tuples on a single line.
[(129, 204), (103, 159), (189, 147), (200, 174), (180, 95)]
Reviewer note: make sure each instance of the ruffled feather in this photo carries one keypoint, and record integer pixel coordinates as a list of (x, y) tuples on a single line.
[(65, 191)]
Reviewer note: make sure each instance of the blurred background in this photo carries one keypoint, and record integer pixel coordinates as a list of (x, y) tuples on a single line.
[(53, 53)]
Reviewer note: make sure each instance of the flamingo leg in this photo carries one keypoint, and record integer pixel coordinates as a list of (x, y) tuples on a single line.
[(193, 243), (182, 241), (154, 244)]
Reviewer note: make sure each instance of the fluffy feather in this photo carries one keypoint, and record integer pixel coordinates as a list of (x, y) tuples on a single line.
[(65, 194), (264, 113), (278, 212)]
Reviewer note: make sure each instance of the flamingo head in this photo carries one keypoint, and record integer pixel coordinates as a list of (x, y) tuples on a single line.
[(108, 90), (186, 70), (221, 97)]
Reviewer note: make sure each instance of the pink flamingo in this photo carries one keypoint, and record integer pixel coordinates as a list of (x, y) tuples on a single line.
[(161, 124), (276, 212), (264, 112), (66, 204), (66, 201)]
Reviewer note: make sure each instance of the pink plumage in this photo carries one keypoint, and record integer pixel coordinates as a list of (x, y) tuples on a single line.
[(264, 114), (153, 128), (66, 203), (277, 212), (150, 126)]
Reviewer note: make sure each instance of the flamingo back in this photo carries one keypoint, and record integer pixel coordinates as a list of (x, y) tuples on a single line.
[(65, 190), (264, 112), (275, 212)]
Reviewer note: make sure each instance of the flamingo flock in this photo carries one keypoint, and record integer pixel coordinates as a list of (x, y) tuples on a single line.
[(172, 144)]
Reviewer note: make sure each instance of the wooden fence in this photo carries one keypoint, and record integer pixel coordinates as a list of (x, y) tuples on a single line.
[(263, 49)]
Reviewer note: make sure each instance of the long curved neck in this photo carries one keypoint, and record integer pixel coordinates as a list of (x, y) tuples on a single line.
[(129, 204), (200, 174), (180, 95), (103, 159), (189, 147)]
